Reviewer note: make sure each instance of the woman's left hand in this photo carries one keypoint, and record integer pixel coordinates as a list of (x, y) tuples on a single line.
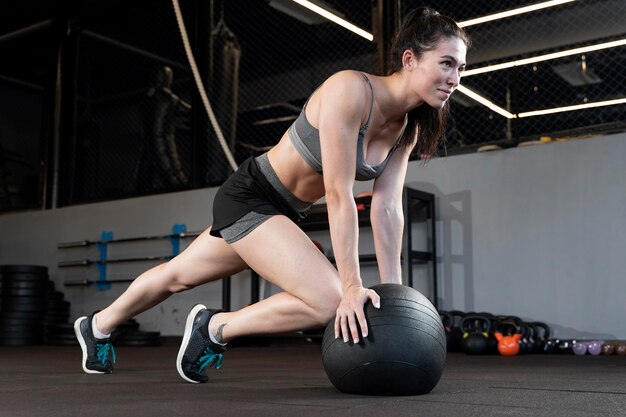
[(351, 307)]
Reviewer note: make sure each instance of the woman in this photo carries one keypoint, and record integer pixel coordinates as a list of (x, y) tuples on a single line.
[(354, 126)]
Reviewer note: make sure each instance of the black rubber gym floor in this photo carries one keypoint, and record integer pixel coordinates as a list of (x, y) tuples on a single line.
[(289, 380)]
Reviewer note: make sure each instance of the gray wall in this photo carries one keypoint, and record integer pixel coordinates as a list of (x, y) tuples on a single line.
[(538, 232)]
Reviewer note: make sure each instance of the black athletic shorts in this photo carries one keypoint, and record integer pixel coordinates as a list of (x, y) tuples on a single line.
[(248, 190)]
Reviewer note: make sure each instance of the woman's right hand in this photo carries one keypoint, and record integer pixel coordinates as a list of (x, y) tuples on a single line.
[(350, 315)]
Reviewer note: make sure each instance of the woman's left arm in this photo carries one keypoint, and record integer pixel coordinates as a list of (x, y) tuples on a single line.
[(387, 217)]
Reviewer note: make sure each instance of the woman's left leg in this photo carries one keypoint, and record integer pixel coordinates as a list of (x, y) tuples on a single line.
[(283, 254), (280, 252)]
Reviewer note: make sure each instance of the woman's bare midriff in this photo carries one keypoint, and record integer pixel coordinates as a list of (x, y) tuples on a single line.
[(294, 172)]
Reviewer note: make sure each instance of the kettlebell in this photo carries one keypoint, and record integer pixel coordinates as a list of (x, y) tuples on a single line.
[(608, 347), (594, 347), (492, 342), (542, 334), (549, 346), (457, 335), (475, 330), (508, 345), (446, 319), (526, 342), (565, 346), (508, 336), (580, 347)]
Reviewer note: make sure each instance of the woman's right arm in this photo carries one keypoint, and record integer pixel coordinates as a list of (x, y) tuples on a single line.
[(341, 111)]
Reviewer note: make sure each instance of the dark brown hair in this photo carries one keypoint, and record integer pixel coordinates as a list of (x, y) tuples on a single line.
[(421, 30)]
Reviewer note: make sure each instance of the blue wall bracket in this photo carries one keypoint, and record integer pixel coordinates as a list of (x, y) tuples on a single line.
[(102, 245), (174, 238)]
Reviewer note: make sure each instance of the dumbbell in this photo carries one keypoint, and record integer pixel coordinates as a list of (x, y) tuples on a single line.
[(582, 347), (595, 347), (564, 346), (579, 347), (542, 333)]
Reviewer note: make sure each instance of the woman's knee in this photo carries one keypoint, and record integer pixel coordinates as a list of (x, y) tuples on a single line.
[(326, 308), (174, 279)]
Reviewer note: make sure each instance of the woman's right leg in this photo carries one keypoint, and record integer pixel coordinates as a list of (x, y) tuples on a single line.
[(207, 259)]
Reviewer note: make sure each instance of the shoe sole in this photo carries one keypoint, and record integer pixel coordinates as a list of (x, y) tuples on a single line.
[(83, 345), (186, 336)]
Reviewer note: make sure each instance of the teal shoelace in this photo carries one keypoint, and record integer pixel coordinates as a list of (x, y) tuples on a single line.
[(103, 352), (209, 359)]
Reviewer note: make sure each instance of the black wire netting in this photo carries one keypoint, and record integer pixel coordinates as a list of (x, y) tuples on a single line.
[(136, 124)]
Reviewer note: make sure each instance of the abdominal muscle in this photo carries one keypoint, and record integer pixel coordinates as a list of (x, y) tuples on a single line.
[(294, 172)]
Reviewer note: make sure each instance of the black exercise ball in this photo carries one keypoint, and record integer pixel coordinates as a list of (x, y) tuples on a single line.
[(403, 354)]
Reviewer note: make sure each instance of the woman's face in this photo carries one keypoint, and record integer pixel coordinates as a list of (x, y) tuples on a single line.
[(437, 73)]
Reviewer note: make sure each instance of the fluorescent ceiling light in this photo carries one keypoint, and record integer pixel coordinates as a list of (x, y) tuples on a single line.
[(336, 19), (576, 107), (344, 23), (291, 9), (471, 94), (513, 12), (485, 102), (546, 57)]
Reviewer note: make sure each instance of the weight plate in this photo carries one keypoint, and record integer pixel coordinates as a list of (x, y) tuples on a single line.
[(35, 326), (139, 342), (55, 295), (21, 333), (23, 292), (127, 327), (61, 341), (34, 269), (21, 284), (42, 279), (21, 315), (60, 327), (60, 305), (24, 304), (19, 341), (140, 335), (52, 321)]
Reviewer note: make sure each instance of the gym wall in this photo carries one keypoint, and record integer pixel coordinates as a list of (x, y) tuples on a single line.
[(534, 231)]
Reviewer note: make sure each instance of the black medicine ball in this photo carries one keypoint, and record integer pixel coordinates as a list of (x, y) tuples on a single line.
[(404, 353)]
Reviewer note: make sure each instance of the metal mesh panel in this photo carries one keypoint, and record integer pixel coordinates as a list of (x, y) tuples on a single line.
[(20, 139), (287, 52), (267, 57), (132, 114), (558, 83), (136, 125), (26, 58)]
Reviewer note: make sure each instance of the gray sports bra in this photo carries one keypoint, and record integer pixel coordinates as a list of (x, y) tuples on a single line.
[(306, 139)]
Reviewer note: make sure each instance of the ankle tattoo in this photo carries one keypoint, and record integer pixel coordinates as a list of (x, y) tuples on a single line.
[(218, 335)]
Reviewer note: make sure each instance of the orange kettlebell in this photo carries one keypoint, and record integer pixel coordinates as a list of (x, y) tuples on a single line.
[(508, 345)]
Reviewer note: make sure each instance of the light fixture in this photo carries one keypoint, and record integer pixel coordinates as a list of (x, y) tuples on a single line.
[(540, 58), (546, 57), (344, 23), (513, 12), (296, 11), (485, 102), (575, 107), (334, 18)]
